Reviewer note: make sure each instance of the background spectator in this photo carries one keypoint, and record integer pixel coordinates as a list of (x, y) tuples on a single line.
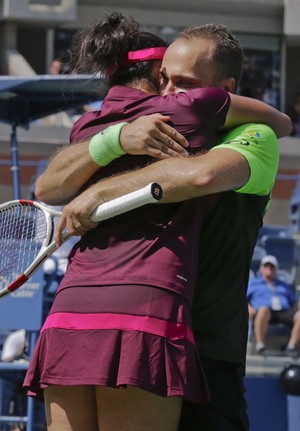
[(56, 67), (294, 114), (271, 300)]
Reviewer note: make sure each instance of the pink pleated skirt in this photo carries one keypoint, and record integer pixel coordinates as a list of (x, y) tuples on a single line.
[(116, 336)]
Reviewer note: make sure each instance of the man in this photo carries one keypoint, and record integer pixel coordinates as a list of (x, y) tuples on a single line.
[(228, 236), (271, 300)]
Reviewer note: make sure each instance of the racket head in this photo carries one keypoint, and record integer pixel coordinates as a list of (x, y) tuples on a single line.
[(25, 230)]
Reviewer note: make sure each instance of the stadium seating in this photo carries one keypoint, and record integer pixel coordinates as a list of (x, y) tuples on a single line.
[(274, 230), (24, 309), (294, 212), (277, 241)]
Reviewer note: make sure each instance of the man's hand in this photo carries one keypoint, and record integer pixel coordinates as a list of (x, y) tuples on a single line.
[(76, 215), (152, 136)]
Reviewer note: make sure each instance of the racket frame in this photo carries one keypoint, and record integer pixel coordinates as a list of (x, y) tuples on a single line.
[(149, 194), (46, 249)]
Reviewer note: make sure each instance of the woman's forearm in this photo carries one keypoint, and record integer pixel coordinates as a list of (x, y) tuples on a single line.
[(66, 173)]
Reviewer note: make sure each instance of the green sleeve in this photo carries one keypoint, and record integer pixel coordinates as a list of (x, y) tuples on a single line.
[(259, 145)]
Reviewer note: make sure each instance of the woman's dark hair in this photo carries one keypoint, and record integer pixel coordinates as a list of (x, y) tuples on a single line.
[(104, 46)]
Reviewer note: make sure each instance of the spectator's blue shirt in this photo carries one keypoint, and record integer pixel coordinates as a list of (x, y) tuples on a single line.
[(260, 293)]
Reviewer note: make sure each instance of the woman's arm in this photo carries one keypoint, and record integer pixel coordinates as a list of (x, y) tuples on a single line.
[(73, 166), (247, 110), (69, 170)]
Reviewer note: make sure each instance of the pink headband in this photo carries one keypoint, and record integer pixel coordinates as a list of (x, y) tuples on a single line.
[(156, 53), (145, 54)]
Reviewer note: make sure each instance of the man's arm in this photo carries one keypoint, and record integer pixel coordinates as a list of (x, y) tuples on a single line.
[(73, 166), (181, 179), (239, 162), (244, 110)]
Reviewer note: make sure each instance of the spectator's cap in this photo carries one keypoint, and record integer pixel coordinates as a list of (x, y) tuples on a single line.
[(270, 259)]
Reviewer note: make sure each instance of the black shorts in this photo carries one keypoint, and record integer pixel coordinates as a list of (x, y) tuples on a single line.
[(228, 408), (283, 316)]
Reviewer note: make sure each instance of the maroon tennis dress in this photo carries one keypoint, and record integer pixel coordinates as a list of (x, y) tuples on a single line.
[(122, 314)]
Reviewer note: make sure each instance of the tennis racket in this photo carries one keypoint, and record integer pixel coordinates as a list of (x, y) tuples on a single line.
[(27, 228)]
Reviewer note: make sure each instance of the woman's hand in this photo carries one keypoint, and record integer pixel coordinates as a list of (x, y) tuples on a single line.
[(152, 136)]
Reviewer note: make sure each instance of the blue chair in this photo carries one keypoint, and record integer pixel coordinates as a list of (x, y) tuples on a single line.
[(285, 250), (294, 211), (258, 254), (273, 230)]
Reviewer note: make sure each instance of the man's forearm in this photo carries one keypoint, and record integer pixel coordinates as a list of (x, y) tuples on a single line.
[(66, 173), (183, 179)]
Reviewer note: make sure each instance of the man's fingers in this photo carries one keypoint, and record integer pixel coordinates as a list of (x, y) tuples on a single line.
[(73, 225), (59, 230)]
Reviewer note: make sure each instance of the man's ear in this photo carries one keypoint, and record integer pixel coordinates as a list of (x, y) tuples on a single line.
[(228, 84)]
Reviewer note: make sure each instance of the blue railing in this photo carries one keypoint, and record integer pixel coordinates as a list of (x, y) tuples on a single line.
[(32, 163)]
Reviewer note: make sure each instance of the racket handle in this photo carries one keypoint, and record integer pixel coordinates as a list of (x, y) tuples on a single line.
[(147, 195)]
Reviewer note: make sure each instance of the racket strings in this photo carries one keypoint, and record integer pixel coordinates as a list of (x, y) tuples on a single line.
[(23, 229)]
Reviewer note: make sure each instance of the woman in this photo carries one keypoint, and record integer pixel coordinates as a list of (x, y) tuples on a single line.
[(123, 309)]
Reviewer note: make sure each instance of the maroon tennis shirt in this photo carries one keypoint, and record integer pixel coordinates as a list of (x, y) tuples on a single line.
[(156, 245)]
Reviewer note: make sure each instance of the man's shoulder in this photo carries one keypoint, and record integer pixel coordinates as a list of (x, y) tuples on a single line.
[(246, 133), (259, 145)]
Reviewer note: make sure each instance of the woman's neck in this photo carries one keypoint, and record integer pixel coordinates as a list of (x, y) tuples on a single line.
[(144, 85)]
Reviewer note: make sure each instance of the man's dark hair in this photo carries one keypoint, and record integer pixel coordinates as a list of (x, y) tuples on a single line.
[(227, 56)]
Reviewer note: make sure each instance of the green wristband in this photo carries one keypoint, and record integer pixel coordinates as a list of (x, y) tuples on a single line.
[(105, 146)]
